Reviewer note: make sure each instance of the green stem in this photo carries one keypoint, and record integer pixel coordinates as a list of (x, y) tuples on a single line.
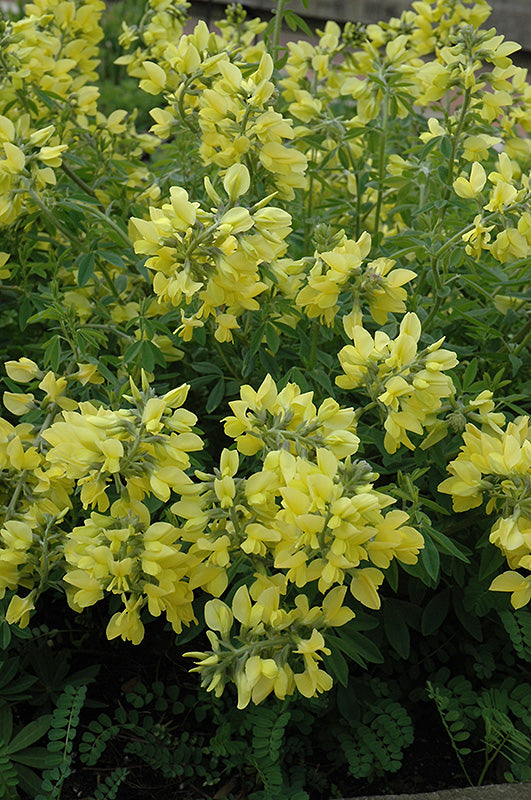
[(381, 163), (488, 762), (52, 219), (525, 335), (279, 15), (80, 182), (455, 142), (105, 218), (365, 408), (225, 360), (14, 497), (313, 351)]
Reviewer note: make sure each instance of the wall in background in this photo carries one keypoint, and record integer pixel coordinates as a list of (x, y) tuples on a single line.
[(512, 18)]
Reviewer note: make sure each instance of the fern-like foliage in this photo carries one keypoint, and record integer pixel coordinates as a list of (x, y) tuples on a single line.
[(8, 777), (65, 720), (268, 729), (499, 716), (96, 738), (109, 788), (457, 707), (518, 626), (375, 744)]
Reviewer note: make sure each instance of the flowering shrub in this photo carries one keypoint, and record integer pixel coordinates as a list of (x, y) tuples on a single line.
[(244, 349)]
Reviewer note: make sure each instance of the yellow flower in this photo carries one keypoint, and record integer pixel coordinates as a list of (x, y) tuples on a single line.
[(19, 610), (472, 187), (218, 617), (364, 586), (23, 370), (515, 583), (156, 79), (236, 181), (477, 147), (18, 403), (127, 623)]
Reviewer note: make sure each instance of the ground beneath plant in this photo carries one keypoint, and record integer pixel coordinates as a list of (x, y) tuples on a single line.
[(429, 764)]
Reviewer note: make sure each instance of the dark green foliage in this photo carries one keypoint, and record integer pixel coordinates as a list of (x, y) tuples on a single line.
[(376, 742), (497, 718), (96, 738), (268, 729), (108, 789), (63, 729), (518, 626), (18, 755)]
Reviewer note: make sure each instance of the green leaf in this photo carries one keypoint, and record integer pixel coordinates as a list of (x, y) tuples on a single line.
[(52, 352), (294, 22), (6, 724), (491, 561), (322, 379), (470, 622), (391, 573), (29, 781), (336, 665), (435, 612), (429, 559), (112, 258), (29, 734), (272, 338), (5, 635), (215, 397), (396, 629), (256, 339), (132, 352), (357, 647), (38, 757), (206, 368), (85, 268), (444, 544), (24, 313), (150, 355), (446, 146)]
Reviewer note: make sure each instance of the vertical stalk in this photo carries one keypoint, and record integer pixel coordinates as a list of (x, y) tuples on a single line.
[(381, 163), (279, 15), (455, 141), (313, 351)]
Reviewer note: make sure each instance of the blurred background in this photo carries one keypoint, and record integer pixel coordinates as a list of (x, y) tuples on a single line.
[(512, 18)]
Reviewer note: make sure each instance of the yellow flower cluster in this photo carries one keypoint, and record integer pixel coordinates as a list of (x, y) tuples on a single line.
[(272, 637), (29, 554), (125, 454), (50, 58), (206, 84), (28, 160), (210, 260), (291, 509), (407, 385), (289, 420), (509, 195), (496, 462), (52, 49), (141, 450), (123, 554), (376, 284), (311, 515), (162, 22)]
